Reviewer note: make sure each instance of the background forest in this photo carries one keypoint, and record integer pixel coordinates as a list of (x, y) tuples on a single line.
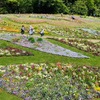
[(82, 7)]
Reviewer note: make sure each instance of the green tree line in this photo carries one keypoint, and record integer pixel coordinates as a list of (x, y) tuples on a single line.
[(82, 7)]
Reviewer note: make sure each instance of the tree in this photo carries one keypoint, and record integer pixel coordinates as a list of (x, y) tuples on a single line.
[(80, 7), (11, 6), (83, 7), (2, 6), (25, 6), (91, 7), (50, 6), (97, 8)]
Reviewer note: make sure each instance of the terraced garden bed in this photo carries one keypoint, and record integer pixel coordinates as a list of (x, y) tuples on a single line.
[(82, 44), (10, 51), (46, 75), (52, 81)]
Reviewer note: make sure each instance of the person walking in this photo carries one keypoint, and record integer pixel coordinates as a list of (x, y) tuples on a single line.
[(22, 29), (42, 32), (31, 30)]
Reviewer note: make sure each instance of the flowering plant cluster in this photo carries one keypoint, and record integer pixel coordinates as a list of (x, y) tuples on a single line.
[(10, 51), (26, 20), (51, 81), (82, 44)]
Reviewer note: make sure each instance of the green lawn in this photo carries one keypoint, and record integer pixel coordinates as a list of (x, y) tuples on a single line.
[(92, 61), (45, 57), (6, 96)]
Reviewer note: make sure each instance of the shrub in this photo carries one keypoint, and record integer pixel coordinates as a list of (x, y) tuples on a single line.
[(32, 40), (39, 39)]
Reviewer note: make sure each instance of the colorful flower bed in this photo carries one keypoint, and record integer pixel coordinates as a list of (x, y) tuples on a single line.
[(44, 45), (10, 51), (82, 44), (51, 81), (27, 20)]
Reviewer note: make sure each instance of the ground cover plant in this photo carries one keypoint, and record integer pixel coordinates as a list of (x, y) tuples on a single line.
[(82, 44), (6, 50), (41, 81), (44, 75), (9, 51)]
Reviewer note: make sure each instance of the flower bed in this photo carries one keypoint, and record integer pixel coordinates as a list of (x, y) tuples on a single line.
[(27, 20), (82, 44), (53, 81), (44, 45), (10, 51)]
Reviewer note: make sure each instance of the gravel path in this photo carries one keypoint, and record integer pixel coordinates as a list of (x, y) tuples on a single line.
[(44, 46)]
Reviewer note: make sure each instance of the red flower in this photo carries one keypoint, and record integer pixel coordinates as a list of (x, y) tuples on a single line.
[(21, 73), (32, 66), (59, 65)]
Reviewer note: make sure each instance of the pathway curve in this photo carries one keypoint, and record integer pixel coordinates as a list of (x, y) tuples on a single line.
[(44, 46)]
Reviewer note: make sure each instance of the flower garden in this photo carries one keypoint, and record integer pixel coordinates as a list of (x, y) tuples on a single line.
[(64, 64), (82, 44), (9, 51), (41, 81)]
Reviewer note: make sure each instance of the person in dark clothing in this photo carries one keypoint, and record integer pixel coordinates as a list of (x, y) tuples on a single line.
[(22, 29), (42, 32)]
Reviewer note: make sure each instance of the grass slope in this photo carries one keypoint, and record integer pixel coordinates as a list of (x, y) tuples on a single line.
[(6, 96), (92, 61), (45, 57)]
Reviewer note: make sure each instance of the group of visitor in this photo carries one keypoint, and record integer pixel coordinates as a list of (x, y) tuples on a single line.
[(31, 30)]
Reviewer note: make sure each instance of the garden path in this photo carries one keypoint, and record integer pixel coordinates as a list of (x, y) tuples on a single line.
[(44, 46)]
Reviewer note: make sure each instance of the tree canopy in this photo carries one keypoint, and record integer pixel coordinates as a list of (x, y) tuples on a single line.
[(82, 7)]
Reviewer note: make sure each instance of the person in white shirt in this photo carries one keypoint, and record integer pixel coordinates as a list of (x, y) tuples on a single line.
[(42, 32), (31, 30)]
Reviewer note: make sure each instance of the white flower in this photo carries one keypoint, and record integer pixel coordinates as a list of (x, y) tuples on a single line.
[(17, 77), (27, 78), (26, 68), (13, 50), (40, 74), (84, 67), (17, 53), (17, 69), (3, 71), (8, 53), (1, 53), (24, 51), (31, 79)]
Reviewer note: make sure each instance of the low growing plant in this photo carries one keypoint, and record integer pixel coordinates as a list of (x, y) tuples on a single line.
[(39, 39), (32, 40)]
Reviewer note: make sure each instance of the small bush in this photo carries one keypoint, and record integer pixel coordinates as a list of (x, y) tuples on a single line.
[(39, 39), (32, 40)]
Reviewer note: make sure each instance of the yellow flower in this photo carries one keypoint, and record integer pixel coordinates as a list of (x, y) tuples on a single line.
[(69, 66), (46, 32), (89, 93), (97, 88), (40, 68)]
